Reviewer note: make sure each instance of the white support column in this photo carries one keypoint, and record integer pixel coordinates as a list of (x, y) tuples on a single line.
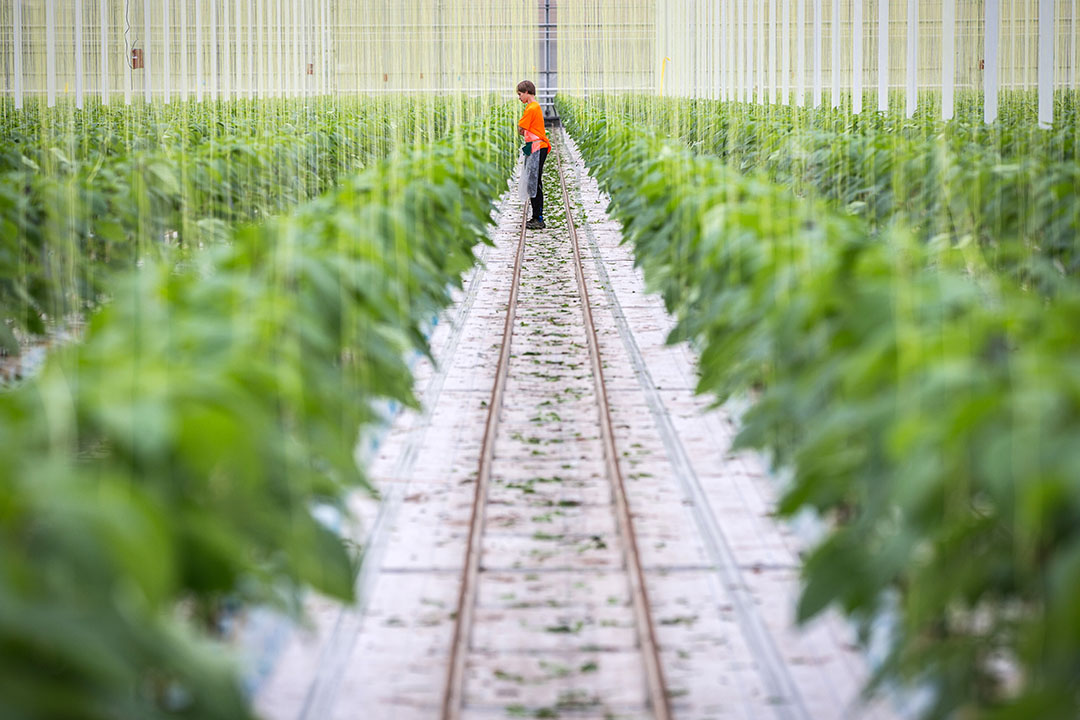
[(104, 28), (912, 69), (184, 78), (16, 30), (238, 73), (740, 50), (748, 63), (728, 90), (260, 48), (1047, 39), (785, 55), (298, 68), (835, 46), (166, 51), (213, 50), (883, 56), (761, 54), (278, 82), (856, 55), (253, 83), (948, 59), (79, 54), (818, 73), (148, 64), (226, 74), (50, 52), (198, 51), (129, 88), (800, 51), (991, 68), (773, 57)]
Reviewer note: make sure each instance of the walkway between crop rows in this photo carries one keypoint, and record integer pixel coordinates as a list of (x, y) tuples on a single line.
[(552, 628)]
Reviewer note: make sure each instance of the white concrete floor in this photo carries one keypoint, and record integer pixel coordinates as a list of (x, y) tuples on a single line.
[(552, 636)]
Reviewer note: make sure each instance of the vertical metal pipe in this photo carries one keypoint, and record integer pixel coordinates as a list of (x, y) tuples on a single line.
[(883, 55), (104, 51), (50, 52), (785, 55), (991, 78), (198, 51), (800, 47), (166, 50), (835, 46), (948, 59), (148, 64), (912, 57), (1047, 38), (184, 91), (772, 52), (818, 70), (16, 29), (856, 56), (78, 54), (214, 79)]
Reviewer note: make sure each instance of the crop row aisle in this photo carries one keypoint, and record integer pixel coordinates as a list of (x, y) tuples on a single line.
[(471, 359)]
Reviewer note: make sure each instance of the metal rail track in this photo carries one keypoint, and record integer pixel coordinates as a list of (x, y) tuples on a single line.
[(454, 693)]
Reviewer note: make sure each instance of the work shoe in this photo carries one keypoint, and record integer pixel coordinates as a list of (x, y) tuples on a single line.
[(535, 224)]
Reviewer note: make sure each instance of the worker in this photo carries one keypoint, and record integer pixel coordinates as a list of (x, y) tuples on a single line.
[(531, 127)]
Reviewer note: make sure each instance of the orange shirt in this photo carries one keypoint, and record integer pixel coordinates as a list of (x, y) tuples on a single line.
[(533, 121)]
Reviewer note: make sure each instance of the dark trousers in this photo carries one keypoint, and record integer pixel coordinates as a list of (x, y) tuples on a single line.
[(537, 200)]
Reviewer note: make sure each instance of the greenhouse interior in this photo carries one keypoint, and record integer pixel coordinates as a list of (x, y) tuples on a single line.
[(410, 359)]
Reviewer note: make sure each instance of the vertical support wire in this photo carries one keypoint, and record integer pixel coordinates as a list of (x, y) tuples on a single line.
[(912, 69), (1047, 40), (991, 78), (16, 29), (883, 56), (857, 56), (948, 59)]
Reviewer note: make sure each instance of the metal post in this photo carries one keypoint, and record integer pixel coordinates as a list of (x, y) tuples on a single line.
[(226, 74), (912, 57), (238, 34), (260, 23), (16, 29), (148, 64), (785, 54), (198, 51), (213, 51), (818, 74), (800, 47), (50, 52), (835, 99), (883, 56), (1047, 37), (856, 56), (990, 73), (761, 54), (772, 52), (166, 50), (78, 54), (183, 52), (948, 64), (104, 52)]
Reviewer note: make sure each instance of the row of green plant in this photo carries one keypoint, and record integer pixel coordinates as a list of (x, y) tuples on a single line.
[(86, 193), (175, 459), (1010, 188), (928, 413)]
